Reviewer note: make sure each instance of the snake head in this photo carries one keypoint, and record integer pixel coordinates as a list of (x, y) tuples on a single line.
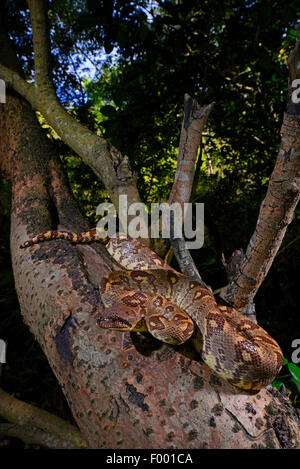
[(122, 318)]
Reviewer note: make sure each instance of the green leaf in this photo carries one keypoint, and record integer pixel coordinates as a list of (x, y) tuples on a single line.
[(297, 383), (210, 261), (295, 371), (277, 383)]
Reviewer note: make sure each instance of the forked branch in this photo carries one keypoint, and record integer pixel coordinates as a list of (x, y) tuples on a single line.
[(194, 120), (277, 208), (106, 161)]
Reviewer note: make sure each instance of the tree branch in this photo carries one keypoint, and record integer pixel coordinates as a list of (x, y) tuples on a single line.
[(15, 81), (193, 123), (276, 210), (41, 44), (35, 436), (105, 160), (29, 417), (183, 256)]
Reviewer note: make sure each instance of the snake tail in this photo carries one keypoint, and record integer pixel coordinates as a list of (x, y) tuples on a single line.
[(85, 237)]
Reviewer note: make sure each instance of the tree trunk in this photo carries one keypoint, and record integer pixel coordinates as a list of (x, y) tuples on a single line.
[(125, 391)]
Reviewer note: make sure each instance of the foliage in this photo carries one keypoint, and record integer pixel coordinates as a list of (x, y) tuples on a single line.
[(230, 52), (291, 381)]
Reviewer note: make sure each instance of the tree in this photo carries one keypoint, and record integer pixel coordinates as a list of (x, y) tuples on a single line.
[(118, 386)]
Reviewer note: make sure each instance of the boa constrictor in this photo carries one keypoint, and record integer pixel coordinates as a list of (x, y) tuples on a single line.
[(149, 295)]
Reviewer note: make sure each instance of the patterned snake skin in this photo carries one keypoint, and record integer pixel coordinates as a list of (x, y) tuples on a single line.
[(148, 295)]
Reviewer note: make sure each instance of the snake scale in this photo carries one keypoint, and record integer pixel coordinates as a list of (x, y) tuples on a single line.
[(149, 295)]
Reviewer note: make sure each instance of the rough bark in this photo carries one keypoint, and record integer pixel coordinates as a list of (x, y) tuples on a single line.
[(124, 391), (194, 120), (276, 210)]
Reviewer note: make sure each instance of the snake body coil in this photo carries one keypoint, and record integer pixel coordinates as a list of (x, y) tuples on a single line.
[(151, 296)]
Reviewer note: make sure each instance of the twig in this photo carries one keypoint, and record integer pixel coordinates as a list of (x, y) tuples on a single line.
[(20, 413), (35, 436), (231, 267)]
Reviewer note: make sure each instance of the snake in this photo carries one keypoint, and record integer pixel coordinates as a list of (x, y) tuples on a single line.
[(148, 295)]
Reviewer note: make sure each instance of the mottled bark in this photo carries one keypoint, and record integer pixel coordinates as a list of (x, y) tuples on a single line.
[(194, 120), (276, 210), (124, 391)]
